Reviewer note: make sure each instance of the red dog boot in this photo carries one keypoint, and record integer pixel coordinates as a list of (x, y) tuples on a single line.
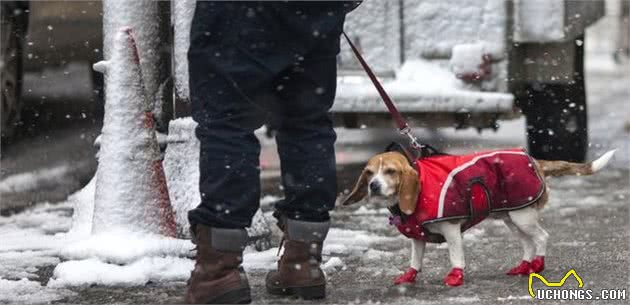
[(407, 277), (538, 264), (455, 277), (524, 268)]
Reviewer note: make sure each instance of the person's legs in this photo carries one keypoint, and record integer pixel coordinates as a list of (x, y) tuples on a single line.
[(237, 51), (305, 141), (228, 94)]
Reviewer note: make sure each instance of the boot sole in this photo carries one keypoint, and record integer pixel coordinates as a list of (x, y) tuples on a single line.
[(237, 296), (306, 293)]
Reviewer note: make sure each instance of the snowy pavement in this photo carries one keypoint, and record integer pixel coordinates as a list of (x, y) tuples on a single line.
[(587, 217)]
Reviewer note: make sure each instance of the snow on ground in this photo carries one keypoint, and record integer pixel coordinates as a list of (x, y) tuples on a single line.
[(35, 229), (94, 271), (41, 236), (511, 297), (462, 299), (29, 292), (333, 263), (31, 180), (24, 264), (123, 247)]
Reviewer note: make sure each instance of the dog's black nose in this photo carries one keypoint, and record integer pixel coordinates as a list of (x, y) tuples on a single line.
[(375, 187)]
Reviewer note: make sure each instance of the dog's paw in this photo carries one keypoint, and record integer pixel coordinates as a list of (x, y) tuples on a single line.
[(407, 277), (524, 268), (538, 264), (455, 277)]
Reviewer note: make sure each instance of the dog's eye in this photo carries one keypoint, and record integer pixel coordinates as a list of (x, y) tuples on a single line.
[(369, 172), (390, 171)]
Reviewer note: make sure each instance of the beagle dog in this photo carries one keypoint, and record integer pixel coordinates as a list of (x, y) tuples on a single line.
[(394, 181)]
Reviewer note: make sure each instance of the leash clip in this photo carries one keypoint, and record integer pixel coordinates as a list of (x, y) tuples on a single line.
[(413, 141)]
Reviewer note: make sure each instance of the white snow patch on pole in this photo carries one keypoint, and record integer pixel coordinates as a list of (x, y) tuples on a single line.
[(183, 11), (83, 209), (130, 186), (143, 17)]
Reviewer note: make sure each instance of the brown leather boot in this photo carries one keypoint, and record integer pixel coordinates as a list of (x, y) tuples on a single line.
[(218, 277), (298, 271)]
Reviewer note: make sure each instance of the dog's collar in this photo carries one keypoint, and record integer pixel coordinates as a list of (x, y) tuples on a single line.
[(397, 217), (413, 155), (397, 147)]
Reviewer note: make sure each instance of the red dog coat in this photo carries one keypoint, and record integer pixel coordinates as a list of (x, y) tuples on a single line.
[(471, 187)]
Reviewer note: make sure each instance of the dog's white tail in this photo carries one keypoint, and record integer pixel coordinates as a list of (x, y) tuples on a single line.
[(564, 168), (602, 161)]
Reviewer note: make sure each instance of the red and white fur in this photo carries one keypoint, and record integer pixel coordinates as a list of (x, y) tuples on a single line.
[(390, 178)]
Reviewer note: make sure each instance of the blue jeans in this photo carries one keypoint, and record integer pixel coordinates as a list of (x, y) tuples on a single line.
[(257, 63)]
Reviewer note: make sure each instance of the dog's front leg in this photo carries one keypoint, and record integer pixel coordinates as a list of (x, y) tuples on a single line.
[(453, 235), (417, 253)]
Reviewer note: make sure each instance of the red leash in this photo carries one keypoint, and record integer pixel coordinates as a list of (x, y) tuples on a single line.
[(403, 127)]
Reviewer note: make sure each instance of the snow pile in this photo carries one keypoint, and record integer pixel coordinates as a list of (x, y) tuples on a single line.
[(340, 241), (538, 20), (35, 229), (333, 263), (264, 260), (28, 292), (23, 264), (420, 85), (32, 180), (122, 247), (83, 204), (467, 58), (135, 261), (181, 168), (93, 271)]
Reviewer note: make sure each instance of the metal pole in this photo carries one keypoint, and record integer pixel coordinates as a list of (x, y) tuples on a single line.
[(164, 98), (401, 34)]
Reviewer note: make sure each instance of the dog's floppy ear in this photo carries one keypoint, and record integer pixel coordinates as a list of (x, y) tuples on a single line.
[(359, 191), (408, 190)]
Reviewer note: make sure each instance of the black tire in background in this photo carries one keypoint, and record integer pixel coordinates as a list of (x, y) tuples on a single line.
[(13, 23), (556, 115)]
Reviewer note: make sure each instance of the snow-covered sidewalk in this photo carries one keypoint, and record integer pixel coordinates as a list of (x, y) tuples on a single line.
[(362, 254)]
